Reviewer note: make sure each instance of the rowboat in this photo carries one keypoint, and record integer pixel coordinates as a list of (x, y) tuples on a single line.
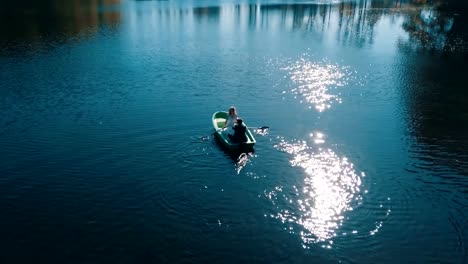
[(219, 119)]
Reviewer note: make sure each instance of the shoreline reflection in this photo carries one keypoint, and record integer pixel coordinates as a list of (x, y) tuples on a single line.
[(33, 21)]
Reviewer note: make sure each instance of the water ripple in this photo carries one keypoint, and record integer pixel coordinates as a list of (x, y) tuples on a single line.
[(317, 82), (330, 187)]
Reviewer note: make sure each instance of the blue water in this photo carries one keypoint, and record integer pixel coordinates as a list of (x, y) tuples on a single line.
[(107, 147)]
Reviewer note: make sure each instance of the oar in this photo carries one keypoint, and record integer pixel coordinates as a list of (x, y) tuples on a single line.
[(254, 127), (259, 127), (262, 127), (207, 137)]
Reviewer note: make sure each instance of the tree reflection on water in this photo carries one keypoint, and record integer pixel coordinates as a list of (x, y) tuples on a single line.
[(30, 20), (432, 29), (430, 25)]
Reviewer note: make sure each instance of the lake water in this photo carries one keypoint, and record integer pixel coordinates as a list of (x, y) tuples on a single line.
[(108, 154)]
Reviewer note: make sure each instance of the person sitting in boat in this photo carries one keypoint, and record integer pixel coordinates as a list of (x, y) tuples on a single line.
[(239, 132), (231, 121)]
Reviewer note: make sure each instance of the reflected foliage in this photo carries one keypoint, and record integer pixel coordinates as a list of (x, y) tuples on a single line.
[(354, 22), (438, 114), (458, 6), (436, 98), (428, 28), (432, 29), (32, 20)]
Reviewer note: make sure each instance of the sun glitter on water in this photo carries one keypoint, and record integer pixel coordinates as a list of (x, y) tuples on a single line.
[(316, 82), (329, 187)]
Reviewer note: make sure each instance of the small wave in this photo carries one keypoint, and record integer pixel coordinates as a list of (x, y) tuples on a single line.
[(331, 186), (316, 82)]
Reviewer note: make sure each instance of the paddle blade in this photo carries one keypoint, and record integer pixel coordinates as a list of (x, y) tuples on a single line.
[(261, 130)]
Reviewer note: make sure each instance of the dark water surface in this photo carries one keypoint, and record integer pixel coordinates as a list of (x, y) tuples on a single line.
[(107, 154)]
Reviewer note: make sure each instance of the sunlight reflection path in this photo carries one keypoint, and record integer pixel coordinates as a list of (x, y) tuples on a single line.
[(330, 186), (315, 82)]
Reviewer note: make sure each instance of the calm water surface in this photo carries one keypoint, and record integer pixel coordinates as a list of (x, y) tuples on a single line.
[(107, 153)]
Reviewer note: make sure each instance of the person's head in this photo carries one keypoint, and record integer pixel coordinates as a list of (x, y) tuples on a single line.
[(239, 121), (232, 110)]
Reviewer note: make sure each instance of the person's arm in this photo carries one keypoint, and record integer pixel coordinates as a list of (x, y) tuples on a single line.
[(235, 128), (226, 124)]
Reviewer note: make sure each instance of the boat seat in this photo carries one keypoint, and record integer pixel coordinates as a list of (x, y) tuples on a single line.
[(220, 122)]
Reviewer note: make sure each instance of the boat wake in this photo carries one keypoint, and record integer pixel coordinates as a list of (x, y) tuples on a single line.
[(242, 161)]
